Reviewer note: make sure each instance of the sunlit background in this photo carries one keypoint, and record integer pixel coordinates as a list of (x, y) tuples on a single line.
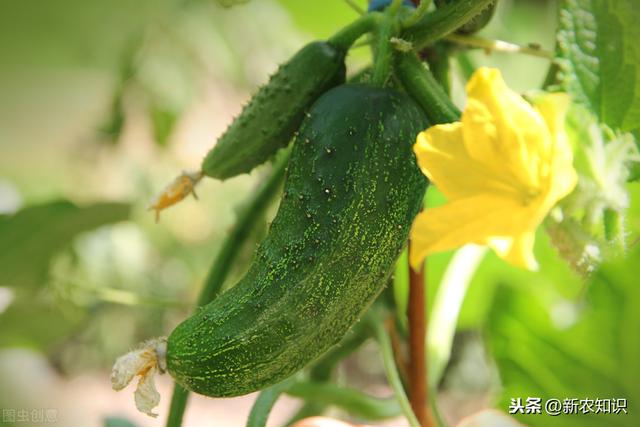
[(102, 103)]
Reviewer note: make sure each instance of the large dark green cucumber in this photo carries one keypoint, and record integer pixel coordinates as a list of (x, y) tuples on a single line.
[(351, 193), (275, 112)]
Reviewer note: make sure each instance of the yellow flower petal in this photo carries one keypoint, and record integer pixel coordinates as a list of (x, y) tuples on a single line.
[(502, 167), (516, 250), (444, 159), (553, 109), (502, 131), (561, 174), (480, 219)]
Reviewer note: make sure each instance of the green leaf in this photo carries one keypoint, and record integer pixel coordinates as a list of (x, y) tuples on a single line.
[(38, 323), (562, 349), (599, 55), (32, 236)]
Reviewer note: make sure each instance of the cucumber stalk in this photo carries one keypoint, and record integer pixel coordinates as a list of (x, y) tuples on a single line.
[(178, 406), (426, 91), (384, 52)]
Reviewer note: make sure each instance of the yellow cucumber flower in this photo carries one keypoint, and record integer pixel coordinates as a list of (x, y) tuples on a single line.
[(502, 168)]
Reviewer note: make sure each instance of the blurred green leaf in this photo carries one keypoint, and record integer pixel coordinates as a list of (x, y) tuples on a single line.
[(230, 3), (29, 238), (112, 127), (634, 172), (117, 422), (634, 168), (600, 58), (38, 323), (564, 350), (68, 33), (163, 121), (319, 18)]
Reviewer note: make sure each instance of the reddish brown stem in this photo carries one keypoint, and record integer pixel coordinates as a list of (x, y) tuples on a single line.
[(418, 393)]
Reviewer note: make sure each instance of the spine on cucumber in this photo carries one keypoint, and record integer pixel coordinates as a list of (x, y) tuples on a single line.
[(351, 193), (269, 120)]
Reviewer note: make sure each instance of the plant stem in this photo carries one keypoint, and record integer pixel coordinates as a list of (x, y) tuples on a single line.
[(552, 75), (420, 11), (265, 401), (324, 367), (392, 372), (447, 303), (424, 88), (347, 36), (437, 58), (418, 393), (352, 4), (398, 352), (498, 45), (223, 261), (178, 405), (384, 52), (466, 65), (354, 401), (443, 21)]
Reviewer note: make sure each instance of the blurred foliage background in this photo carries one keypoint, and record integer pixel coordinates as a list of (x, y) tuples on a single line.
[(102, 103)]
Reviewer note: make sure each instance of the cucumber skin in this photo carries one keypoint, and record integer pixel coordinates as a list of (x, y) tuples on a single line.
[(327, 254), (270, 119)]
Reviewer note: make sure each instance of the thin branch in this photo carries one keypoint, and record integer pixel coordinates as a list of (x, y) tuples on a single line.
[(122, 296), (499, 45), (352, 4), (392, 371)]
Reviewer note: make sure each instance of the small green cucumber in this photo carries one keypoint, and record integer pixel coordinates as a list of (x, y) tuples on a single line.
[(476, 23), (351, 192), (270, 119)]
